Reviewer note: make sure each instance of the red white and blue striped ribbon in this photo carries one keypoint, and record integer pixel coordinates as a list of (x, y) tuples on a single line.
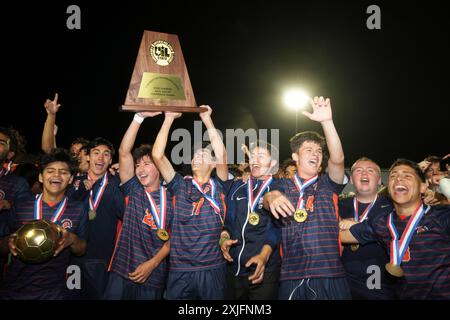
[(56, 215), (399, 247), (254, 200), (301, 187), (95, 201), (366, 212), (159, 216)]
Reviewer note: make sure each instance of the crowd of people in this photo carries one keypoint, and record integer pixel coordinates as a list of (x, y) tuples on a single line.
[(138, 229)]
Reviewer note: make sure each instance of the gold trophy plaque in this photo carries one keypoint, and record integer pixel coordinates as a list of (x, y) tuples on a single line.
[(160, 81)]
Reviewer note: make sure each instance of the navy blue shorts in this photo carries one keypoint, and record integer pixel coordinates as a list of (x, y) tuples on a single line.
[(315, 289), (197, 285), (94, 278), (119, 288)]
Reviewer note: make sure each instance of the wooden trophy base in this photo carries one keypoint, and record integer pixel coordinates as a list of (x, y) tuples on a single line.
[(140, 108)]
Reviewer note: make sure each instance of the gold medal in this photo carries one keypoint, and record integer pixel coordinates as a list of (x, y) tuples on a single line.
[(92, 214), (253, 218), (354, 247), (394, 270), (162, 234), (300, 215)]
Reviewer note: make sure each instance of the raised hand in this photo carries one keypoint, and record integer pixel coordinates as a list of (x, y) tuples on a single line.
[(423, 165), (172, 115), (52, 106), (321, 110), (206, 114), (149, 114)]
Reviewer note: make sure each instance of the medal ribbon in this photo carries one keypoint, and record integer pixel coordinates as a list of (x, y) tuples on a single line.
[(366, 212), (56, 216), (302, 187), (95, 201), (253, 201), (10, 164), (399, 247), (159, 217), (211, 200)]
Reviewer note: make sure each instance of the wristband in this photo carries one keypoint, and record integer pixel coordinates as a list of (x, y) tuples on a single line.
[(138, 118)]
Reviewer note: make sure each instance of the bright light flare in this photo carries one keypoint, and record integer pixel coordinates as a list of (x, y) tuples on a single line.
[(295, 98)]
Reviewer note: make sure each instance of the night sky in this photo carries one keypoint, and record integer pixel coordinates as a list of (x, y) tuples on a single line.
[(389, 87)]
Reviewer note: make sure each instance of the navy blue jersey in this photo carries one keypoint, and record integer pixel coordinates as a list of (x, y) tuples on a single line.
[(251, 238), (311, 249), (32, 281), (196, 227), (356, 263), (102, 230), (13, 189), (138, 241), (427, 269)]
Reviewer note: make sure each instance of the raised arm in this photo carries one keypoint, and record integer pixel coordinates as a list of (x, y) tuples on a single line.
[(162, 163), (48, 134), (217, 145), (322, 113), (126, 163)]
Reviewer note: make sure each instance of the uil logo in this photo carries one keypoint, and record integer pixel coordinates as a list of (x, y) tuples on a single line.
[(162, 53)]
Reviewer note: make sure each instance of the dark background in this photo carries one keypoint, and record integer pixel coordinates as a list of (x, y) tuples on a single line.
[(388, 87)]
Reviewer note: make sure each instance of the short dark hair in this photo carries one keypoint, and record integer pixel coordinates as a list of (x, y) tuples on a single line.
[(58, 155), (409, 163), (141, 151), (83, 141), (204, 145), (433, 159), (296, 141), (273, 151), (16, 141), (287, 163), (99, 141)]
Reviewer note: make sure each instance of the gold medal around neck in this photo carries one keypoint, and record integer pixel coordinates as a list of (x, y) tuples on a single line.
[(92, 214), (253, 218), (162, 234), (394, 270), (354, 247), (300, 215)]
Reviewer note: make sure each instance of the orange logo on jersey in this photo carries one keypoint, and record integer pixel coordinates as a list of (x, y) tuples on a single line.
[(407, 256), (148, 220), (310, 203)]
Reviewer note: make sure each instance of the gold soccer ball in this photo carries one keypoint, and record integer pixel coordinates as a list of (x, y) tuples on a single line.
[(37, 240)]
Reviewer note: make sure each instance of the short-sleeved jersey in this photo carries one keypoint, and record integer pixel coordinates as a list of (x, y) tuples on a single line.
[(427, 267), (196, 227), (13, 189), (311, 248), (102, 230), (31, 281), (138, 241)]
